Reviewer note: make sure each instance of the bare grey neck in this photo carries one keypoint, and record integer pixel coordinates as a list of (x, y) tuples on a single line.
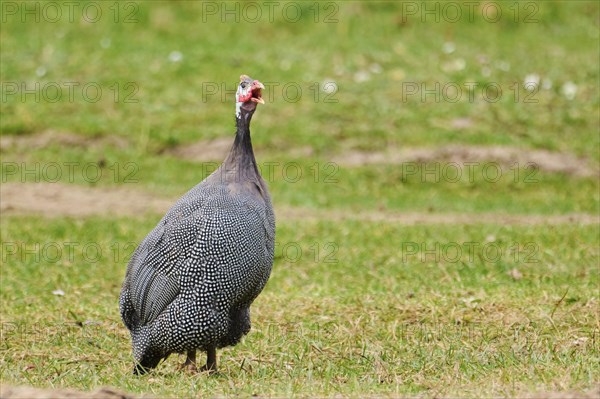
[(240, 164)]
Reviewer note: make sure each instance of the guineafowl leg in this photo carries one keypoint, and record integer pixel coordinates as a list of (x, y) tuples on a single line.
[(211, 360), (190, 361)]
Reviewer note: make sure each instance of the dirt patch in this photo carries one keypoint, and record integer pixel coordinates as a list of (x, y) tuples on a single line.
[(59, 200), (53, 137), (549, 161), (8, 392), (217, 149), (416, 218), (591, 394), (554, 162), (203, 151), (55, 200)]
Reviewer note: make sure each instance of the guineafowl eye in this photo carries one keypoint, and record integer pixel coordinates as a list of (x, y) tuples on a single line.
[(190, 283)]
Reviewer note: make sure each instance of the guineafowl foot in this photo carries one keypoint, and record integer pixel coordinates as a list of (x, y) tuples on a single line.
[(190, 362), (208, 370), (188, 367), (211, 361)]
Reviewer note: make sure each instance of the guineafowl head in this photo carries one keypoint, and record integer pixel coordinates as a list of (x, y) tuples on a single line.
[(248, 95)]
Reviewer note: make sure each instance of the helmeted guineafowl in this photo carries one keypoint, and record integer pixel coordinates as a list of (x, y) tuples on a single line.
[(190, 283)]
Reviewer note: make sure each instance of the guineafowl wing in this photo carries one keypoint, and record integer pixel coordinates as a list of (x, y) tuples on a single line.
[(150, 283), (152, 291), (153, 274)]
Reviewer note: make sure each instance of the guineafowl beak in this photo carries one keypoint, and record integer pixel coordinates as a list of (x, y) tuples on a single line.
[(250, 90), (248, 95), (257, 88)]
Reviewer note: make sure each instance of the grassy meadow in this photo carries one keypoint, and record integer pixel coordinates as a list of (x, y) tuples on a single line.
[(434, 173)]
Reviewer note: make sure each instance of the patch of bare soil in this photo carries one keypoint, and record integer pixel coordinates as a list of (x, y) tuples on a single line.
[(506, 156), (415, 218), (22, 392), (591, 394), (217, 149), (59, 200), (52, 137), (203, 151), (549, 161), (56, 200)]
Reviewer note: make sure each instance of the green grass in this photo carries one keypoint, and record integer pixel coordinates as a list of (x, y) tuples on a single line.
[(322, 184), (353, 307), (344, 315), (170, 106)]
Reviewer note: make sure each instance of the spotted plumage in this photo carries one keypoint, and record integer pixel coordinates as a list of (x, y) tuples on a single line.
[(190, 283)]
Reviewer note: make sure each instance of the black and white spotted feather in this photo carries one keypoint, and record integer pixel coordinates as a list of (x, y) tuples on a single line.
[(191, 281)]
